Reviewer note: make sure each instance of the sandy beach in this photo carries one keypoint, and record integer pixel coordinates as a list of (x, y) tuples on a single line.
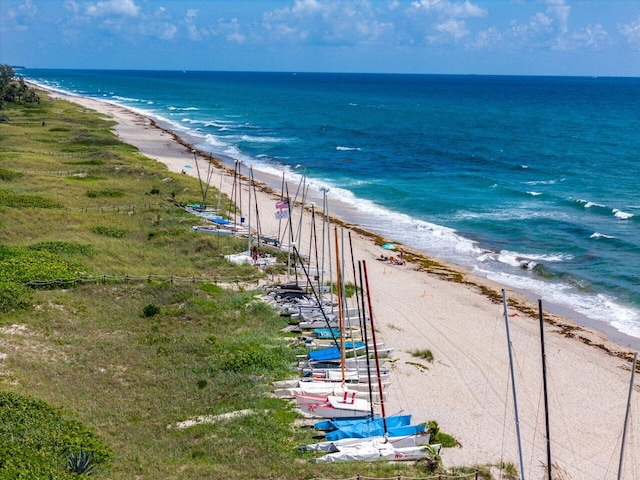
[(460, 319)]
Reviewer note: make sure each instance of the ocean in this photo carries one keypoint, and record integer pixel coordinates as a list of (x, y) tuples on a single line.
[(529, 181)]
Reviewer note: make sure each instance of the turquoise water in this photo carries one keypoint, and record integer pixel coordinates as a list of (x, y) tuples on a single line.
[(530, 181)]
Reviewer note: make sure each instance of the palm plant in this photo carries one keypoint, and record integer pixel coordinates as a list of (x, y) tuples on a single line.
[(81, 463)]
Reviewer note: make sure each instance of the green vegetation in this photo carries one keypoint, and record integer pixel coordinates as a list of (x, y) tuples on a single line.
[(440, 438), (16, 200), (37, 439), (508, 470), (8, 175), (425, 354), (99, 375), (13, 90), (109, 231), (349, 289)]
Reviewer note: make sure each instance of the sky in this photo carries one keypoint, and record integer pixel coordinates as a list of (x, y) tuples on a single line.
[(508, 37)]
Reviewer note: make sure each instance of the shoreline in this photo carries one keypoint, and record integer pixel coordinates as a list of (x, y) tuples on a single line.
[(270, 182), (431, 304)]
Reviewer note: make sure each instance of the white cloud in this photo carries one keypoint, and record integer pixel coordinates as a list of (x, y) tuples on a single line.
[(456, 28), (231, 31), (304, 7), (631, 32), (168, 32), (343, 22), (560, 11), (450, 9), (193, 31), (126, 8), (594, 36), (487, 39)]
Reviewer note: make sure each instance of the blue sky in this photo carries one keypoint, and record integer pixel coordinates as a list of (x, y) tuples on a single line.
[(520, 37)]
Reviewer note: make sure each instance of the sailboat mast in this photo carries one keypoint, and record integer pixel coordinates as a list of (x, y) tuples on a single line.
[(363, 316), (340, 319), (375, 351), (513, 383), (249, 209), (626, 416), (544, 387), (195, 160)]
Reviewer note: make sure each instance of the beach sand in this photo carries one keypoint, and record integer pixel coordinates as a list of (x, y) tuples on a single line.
[(459, 318)]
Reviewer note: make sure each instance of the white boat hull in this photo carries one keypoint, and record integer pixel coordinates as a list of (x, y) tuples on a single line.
[(374, 452)]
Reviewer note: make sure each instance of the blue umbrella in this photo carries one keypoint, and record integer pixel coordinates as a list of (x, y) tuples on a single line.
[(389, 246), (188, 166)]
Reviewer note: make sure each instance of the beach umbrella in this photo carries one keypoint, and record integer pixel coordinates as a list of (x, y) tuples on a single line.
[(389, 246), (188, 166)]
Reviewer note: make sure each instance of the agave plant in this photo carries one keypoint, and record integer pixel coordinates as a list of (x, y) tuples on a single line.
[(81, 463)]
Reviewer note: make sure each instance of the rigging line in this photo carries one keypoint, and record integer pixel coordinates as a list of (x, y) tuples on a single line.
[(239, 203), (513, 383), (505, 422), (281, 198), (305, 191), (315, 294), (339, 291), (362, 314), (255, 195), (323, 237), (355, 281), (233, 191), (632, 461), (485, 392), (315, 244), (291, 240), (208, 181), (535, 430), (558, 403), (612, 457), (195, 160), (628, 410), (375, 348), (312, 232)]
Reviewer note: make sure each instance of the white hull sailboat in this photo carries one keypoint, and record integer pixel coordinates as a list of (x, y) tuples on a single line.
[(333, 407), (379, 450)]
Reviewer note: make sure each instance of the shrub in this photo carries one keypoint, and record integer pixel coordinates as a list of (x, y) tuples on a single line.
[(247, 354), (202, 384), (104, 193), (15, 200), (436, 436), (64, 248), (109, 232), (150, 310), (12, 296), (22, 265), (8, 175)]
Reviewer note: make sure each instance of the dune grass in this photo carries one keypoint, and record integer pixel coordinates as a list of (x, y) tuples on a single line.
[(128, 361)]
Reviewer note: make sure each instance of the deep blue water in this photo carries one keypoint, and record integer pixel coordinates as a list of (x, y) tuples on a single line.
[(490, 172)]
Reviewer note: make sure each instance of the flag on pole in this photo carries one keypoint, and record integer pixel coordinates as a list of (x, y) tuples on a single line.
[(282, 209)]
